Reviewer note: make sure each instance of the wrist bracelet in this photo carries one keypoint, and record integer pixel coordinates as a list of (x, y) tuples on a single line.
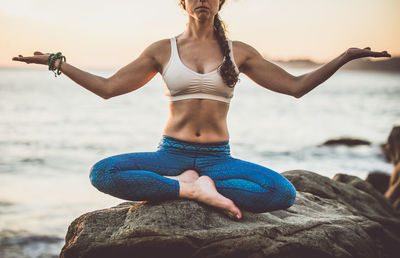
[(52, 60), (59, 65), (48, 60)]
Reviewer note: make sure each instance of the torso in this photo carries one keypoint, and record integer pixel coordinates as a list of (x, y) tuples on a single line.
[(198, 120)]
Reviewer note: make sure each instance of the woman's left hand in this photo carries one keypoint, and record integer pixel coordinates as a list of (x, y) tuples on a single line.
[(354, 53)]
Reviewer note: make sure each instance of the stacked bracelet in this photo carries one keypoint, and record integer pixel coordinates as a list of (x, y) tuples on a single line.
[(52, 60)]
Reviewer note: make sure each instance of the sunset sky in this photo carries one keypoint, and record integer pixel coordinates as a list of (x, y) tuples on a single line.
[(110, 34)]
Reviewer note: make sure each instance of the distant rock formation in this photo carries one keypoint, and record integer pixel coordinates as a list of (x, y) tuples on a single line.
[(346, 141), (364, 64), (345, 217), (297, 63), (387, 64)]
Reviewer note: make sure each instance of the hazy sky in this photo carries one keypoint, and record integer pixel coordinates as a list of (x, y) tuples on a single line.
[(110, 34)]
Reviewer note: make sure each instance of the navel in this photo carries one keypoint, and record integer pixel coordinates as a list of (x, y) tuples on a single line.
[(198, 134)]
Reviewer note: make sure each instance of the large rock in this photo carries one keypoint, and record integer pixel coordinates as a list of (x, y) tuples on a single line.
[(379, 180), (344, 218)]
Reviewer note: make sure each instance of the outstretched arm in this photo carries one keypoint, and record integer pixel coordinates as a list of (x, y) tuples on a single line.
[(309, 81), (273, 77), (129, 78)]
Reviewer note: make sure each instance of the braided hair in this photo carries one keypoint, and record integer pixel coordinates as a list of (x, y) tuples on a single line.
[(227, 68)]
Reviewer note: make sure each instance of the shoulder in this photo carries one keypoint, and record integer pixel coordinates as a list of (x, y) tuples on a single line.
[(244, 48), (157, 47), (243, 52), (159, 52)]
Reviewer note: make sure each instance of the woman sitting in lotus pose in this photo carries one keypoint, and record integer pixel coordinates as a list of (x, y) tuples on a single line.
[(200, 68)]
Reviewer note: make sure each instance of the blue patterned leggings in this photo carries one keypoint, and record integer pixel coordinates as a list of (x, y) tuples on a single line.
[(140, 176)]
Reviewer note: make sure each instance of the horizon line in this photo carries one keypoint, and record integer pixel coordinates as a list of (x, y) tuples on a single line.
[(36, 66)]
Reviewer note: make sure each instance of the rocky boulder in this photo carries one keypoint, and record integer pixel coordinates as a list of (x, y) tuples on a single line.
[(346, 141), (345, 217)]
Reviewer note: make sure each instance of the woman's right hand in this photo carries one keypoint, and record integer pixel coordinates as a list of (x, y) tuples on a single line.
[(37, 58)]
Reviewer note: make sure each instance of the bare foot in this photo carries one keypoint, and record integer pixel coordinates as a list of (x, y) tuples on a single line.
[(208, 194), (187, 176)]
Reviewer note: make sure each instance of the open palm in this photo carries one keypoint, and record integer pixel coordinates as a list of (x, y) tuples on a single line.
[(37, 58), (354, 53)]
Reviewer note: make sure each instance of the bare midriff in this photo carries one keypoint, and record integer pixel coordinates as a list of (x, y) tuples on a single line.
[(198, 120)]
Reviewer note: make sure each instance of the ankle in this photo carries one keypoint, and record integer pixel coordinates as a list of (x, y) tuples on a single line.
[(188, 190)]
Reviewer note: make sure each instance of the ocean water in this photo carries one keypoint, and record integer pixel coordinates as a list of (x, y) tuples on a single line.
[(52, 131)]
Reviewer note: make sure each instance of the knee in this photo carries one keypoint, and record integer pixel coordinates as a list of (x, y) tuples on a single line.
[(100, 173), (290, 196), (281, 197), (286, 194)]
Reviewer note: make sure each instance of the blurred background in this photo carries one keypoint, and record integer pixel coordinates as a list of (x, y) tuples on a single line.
[(52, 130)]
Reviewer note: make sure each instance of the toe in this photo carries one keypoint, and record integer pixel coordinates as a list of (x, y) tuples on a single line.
[(238, 213)]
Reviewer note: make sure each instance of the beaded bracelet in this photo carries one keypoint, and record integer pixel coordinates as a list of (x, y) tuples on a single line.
[(52, 60), (59, 65)]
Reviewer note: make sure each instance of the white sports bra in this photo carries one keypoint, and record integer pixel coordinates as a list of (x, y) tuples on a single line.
[(181, 82)]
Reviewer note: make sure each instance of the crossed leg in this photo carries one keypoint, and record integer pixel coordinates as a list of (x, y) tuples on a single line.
[(250, 186), (157, 176)]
